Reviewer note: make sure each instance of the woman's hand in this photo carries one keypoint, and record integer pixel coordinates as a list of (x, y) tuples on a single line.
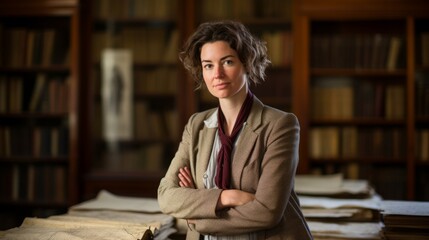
[(185, 178)]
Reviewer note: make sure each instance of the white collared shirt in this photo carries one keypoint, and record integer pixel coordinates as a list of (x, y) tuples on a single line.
[(209, 175)]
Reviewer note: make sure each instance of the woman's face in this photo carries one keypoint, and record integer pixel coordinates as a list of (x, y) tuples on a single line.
[(223, 72)]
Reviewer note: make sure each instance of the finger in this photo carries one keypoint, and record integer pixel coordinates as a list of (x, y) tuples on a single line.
[(187, 171), (186, 174), (191, 180), (184, 181)]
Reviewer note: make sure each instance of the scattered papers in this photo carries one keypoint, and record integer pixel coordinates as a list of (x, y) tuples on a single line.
[(332, 185), (106, 200), (67, 228), (338, 208), (108, 216), (350, 231), (108, 206), (331, 203), (322, 208)]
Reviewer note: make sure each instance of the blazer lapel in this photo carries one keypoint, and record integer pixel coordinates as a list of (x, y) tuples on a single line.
[(247, 140), (241, 155)]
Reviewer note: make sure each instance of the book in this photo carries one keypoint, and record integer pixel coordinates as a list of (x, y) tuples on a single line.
[(48, 44), (332, 98), (37, 92), (393, 54), (325, 142)]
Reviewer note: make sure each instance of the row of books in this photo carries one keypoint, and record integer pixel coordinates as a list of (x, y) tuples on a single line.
[(41, 183), (279, 45), (357, 51), (149, 45), (224, 9), (40, 93), (26, 47), (136, 9), (150, 157), (150, 124), (38, 141), (346, 98), (352, 142), (161, 80)]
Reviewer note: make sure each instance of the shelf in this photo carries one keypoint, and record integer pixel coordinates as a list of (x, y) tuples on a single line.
[(358, 87), (58, 69), (358, 121), (60, 160), (38, 108), (361, 160), (321, 72)]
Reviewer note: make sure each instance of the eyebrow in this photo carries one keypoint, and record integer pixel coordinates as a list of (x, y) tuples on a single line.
[(223, 58)]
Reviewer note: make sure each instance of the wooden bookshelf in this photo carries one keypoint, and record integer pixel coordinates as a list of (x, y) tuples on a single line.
[(357, 74), (133, 161), (39, 77)]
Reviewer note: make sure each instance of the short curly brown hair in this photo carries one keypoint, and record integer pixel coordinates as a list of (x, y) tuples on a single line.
[(251, 51)]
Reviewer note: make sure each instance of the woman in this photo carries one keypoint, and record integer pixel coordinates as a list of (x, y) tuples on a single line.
[(232, 176)]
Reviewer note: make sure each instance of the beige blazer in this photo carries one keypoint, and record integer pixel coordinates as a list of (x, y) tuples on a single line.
[(264, 163)]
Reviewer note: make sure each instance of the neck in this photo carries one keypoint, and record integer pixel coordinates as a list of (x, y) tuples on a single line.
[(231, 108)]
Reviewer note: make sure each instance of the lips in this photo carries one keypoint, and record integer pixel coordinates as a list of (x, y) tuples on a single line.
[(221, 85)]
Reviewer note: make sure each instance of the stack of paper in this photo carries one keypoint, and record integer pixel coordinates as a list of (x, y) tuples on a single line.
[(405, 219), (107, 206), (333, 185), (66, 228), (106, 217), (337, 208)]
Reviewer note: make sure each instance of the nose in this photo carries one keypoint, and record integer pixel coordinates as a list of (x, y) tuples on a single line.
[(219, 72)]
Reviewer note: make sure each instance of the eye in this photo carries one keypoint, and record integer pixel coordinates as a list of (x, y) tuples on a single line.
[(228, 62), (208, 66)]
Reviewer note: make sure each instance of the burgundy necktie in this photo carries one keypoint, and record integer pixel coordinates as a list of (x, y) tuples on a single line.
[(223, 171)]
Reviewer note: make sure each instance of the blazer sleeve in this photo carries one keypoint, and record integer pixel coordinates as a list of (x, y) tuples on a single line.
[(186, 202), (274, 188)]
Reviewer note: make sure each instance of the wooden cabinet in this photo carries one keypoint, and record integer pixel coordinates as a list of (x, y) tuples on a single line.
[(356, 73), (39, 77), (135, 103)]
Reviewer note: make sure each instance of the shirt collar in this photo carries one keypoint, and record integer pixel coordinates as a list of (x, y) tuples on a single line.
[(211, 122)]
